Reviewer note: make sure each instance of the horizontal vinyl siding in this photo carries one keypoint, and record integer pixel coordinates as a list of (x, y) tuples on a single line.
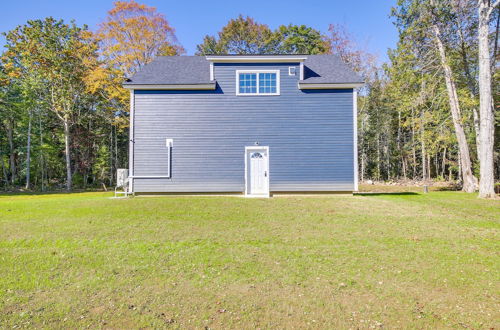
[(309, 134)]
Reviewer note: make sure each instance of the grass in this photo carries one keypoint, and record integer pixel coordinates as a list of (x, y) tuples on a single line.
[(385, 260)]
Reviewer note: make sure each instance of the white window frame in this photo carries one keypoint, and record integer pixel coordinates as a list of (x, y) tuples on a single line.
[(277, 72)]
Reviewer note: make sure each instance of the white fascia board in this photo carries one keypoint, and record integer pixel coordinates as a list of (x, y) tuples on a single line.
[(210, 86), (330, 86), (256, 59)]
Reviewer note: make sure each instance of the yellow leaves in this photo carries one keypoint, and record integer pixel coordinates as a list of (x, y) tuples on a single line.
[(133, 34), (129, 6)]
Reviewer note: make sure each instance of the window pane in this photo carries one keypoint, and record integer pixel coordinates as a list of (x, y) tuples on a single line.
[(248, 83), (267, 83)]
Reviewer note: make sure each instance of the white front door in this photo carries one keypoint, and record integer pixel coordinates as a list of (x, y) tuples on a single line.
[(257, 171)]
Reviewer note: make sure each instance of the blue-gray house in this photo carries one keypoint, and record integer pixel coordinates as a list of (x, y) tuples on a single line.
[(248, 124)]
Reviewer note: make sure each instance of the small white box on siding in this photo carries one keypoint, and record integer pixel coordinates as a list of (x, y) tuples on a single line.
[(169, 143)]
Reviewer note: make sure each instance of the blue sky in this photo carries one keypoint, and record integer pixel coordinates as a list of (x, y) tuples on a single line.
[(367, 20)]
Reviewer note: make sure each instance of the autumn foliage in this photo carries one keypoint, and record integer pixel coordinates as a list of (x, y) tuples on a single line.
[(134, 34)]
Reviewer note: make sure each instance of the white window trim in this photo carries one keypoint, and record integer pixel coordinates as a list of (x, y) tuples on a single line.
[(277, 72)]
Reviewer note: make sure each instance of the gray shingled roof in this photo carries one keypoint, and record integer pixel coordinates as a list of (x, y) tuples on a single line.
[(173, 70), (187, 70), (328, 69)]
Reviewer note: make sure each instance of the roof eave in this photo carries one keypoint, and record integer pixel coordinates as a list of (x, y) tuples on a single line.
[(303, 85), (202, 86), (256, 58)]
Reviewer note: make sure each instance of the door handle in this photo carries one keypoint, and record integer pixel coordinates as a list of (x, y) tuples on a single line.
[(265, 174)]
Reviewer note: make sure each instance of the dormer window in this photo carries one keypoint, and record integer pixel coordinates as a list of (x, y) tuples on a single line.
[(257, 82)]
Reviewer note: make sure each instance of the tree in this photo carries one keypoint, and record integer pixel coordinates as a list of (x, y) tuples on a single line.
[(133, 35), (299, 39), (55, 51), (487, 118), (240, 36), (427, 25), (244, 35), (469, 180), (342, 44)]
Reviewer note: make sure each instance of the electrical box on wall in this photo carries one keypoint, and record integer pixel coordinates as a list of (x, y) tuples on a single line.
[(170, 143)]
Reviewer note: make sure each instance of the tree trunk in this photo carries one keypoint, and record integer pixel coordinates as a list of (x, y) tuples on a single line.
[(42, 163), (378, 157), (422, 143), (116, 150), (111, 156), (428, 167), (443, 164), (28, 152), (424, 163), (400, 151), (404, 168), (12, 156), (469, 180), (477, 129), (414, 151), (459, 175), (67, 153), (486, 115), (362, 143)]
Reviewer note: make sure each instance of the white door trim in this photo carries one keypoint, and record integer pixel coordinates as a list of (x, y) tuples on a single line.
[(256, 148)]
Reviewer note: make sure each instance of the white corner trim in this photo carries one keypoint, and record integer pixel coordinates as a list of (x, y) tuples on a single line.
[(256, 58), (212, 71), (210, 86), (131, 141), (330, 86), (301, 76), (278, 74), (355, 137)]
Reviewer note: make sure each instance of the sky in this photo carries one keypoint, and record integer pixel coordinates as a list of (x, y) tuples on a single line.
[(368, 21)]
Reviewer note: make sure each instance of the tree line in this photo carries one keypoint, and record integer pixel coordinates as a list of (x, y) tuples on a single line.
[(426, 114)]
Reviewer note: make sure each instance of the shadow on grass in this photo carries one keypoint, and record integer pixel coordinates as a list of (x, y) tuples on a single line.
[(405, 193)]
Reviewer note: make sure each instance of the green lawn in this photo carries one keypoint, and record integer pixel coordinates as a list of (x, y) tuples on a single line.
[(389, 260)]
